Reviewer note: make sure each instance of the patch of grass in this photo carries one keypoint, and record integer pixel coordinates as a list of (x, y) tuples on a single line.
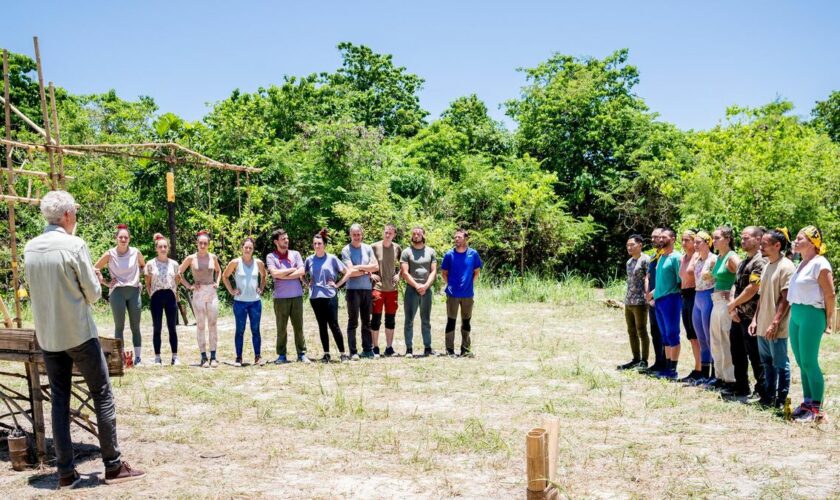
[(475, 437)]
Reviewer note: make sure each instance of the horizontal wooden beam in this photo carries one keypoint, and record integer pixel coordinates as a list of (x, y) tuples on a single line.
[(36, 173), (20, 199)]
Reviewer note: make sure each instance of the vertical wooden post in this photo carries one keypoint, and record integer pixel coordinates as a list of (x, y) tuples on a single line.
[(535, 445), (7, 111), (45, 114), (61, 180), (33, 375), (11, 184), (170, 207)]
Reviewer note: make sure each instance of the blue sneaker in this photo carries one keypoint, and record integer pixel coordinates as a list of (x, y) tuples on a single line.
[(280, 360), (667, 374)]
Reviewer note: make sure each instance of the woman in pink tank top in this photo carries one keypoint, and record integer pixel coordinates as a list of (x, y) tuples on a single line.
[(124, 264), (206, 274)]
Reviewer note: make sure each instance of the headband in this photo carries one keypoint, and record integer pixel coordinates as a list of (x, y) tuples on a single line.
[(815, 236)]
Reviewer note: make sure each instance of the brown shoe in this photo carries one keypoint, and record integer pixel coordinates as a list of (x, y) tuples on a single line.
[(69, 482), (123, 474)]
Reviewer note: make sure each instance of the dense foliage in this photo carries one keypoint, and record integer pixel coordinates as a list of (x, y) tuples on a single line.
[(587, 165)]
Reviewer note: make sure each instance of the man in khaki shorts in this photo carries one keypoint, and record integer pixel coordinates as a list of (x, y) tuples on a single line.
[(460, 269)]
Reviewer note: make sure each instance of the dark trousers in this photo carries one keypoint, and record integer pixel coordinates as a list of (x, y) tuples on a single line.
[(656, 339), (326, 313), (163, 301), (90, 361), (744, 348), (359, 304)]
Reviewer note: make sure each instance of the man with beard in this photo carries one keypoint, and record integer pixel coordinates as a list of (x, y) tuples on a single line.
[(650, 283), (286, 268), (744, 346), (418, 266)]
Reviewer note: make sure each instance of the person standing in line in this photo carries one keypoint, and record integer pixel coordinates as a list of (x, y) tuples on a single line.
[(701, 317), (688, 291), (742, 309), (124, 265), (650, 283), (812, 301), (460, 269), (418, 267), (721, 322), (250, 275), (772, 313), (385, 289), (63, 285), (635, 306), (206, 273), (359, 259), (162, 280), (286, 268), (668, 300), (323, 268)]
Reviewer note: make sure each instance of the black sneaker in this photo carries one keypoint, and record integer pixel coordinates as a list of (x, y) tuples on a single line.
[(389, 351), (409, 353), (451, 353), (367, 355), (428, 351), (325, 358), (629, 365), (642, 365), (691, 377), (344, 358), (376, 350)]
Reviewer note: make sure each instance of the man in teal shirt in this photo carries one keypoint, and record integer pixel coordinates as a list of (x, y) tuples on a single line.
[(668, 301)]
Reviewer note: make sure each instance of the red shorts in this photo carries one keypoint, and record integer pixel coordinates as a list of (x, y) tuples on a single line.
[(386, 300)]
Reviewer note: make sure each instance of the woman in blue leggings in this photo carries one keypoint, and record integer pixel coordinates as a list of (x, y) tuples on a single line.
[(702, 313)]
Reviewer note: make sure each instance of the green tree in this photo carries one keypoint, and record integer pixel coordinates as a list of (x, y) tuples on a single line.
[(468, 115), (826, 116)]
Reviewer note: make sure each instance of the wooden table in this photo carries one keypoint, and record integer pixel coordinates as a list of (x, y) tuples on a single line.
[(21, 345)]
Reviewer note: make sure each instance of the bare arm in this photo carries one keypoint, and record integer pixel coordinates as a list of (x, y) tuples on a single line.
[(218, 268), (745, 296), (732, 263), (781, 310), (262, 282), (181, 269), (444, 274), (476, 273), (229, 269), (148, 279), (432, 275), (102, 262), (406, 276), (826, 281)]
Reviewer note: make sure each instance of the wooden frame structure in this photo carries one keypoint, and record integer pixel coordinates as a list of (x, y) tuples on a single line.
[(21, 345)]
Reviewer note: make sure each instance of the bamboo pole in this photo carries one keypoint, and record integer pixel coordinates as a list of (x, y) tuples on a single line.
[(37, 173), (535, 445), (11, 183), (57, 141), (19, 199), (28, 146), (44, 113), (7, 318), (25, 118), (8, 122), (552, 426)]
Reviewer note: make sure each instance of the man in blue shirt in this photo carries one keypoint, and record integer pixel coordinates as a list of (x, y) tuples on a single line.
[(460, 269)]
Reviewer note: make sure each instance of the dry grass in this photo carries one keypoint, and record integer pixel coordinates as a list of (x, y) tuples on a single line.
[(443, 428)]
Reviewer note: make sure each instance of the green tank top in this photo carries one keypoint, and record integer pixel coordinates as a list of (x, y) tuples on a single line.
[(724, 278)]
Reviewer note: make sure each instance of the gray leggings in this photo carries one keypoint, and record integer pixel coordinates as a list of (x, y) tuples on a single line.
[(122, 298)]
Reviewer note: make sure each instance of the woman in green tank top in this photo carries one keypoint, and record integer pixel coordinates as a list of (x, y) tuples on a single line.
[(721, 322)]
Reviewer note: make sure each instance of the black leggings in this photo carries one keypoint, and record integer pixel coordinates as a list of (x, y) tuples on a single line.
[(326, 312), (164, 301), (687, 312)]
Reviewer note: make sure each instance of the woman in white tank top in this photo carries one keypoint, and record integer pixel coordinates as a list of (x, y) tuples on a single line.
[(124, 264), (249, 274)]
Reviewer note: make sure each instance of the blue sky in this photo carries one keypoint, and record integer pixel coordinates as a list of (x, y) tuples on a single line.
[(695, 58)]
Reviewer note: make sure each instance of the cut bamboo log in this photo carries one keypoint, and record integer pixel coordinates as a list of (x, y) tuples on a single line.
[(536, 460), (552, 426)]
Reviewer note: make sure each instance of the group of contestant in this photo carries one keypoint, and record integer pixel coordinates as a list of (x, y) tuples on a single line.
[(738, 311), (370, 273)]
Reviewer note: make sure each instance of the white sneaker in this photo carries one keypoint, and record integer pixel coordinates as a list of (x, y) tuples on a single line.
[(176, 362), (158, 362), (354, 357), (138, 363)]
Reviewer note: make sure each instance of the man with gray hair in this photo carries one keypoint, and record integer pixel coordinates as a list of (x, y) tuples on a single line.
[(360, 262), (63, 284)]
